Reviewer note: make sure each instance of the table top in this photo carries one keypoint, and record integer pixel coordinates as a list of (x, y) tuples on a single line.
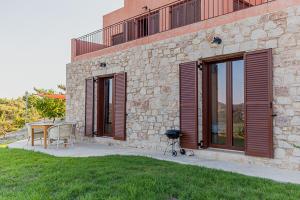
[(41, 124)]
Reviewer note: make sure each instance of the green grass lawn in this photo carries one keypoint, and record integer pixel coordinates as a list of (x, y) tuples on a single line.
[(29, 175)]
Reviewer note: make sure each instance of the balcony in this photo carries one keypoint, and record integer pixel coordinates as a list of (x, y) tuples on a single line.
[(177, 14)]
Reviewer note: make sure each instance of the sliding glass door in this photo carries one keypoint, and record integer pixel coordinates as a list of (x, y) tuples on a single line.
[(226, 104)]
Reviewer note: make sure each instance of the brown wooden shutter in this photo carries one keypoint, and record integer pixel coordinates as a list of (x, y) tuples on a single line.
[(178, 15), (188, 73), (120, 106), (192, 11), (89, 107), (205, 104), (117, 39), (154, 23), (258, 103), (130, 30)]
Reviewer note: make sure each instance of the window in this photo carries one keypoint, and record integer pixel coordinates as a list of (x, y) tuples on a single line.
[(226, 94), (142, 26), (185, 13), (148, 24), (237, 103), (105, 106), (108, 106), (118, 39)]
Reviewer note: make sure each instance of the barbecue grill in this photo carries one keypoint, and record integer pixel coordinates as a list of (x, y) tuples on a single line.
[(173, 136)]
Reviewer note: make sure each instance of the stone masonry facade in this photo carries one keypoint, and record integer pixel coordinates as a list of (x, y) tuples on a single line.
[(153, 81)]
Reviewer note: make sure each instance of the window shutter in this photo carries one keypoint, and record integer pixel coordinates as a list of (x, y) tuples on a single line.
[(120, 106), (154, 23), (188, 74), (205, 104), (129, 28), (173, 17), (192, 11), (117, 39), (258, 100), (89, 107), (178, 15)]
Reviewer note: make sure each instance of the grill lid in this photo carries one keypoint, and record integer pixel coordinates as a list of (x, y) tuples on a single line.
[(172, 133)]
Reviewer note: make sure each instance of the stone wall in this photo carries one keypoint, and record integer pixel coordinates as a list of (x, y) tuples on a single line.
[(153, 80)]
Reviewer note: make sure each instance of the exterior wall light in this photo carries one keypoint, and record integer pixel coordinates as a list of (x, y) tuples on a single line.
[(145, 8), (103, 64), (216, 40)]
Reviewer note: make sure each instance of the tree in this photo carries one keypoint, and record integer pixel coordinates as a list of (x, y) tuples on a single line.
[(62, 87), (12, 115), (48, 107), (13, 112)]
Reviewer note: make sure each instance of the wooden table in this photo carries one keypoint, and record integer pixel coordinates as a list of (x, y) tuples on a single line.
[(43, 126)]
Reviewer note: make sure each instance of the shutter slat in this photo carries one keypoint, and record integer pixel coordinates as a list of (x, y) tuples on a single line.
[(120, 106), (189, 105), (89, 107), (258, 95)]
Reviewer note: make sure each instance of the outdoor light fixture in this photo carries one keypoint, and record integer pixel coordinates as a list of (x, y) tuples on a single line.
[(145, 8), (103, 64), (216, 40)]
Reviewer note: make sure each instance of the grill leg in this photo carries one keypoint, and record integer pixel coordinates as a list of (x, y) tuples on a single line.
[(174, 152), (173, 146), (167, 147), (172, 143)]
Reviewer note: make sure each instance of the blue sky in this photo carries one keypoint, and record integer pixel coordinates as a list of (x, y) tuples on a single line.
[(35, 39)]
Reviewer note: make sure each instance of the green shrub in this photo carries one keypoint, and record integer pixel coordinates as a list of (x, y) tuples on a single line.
[(13, 111), (13, 114)]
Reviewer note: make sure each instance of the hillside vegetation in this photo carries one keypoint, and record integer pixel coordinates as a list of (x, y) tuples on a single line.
[(14, 115)]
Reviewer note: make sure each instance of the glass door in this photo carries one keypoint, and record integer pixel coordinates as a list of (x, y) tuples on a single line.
[(238, 104), (108, 107), (226, 102), (218, 104)]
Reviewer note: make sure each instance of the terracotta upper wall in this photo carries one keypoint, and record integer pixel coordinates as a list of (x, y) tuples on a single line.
[(132, 8)]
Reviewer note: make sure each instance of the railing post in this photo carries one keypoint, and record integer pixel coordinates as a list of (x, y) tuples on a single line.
[(73, 49)]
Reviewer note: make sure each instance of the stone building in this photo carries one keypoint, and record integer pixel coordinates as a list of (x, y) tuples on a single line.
[(224, 72)]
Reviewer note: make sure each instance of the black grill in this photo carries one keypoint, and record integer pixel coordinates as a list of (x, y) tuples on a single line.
[(173, 136)]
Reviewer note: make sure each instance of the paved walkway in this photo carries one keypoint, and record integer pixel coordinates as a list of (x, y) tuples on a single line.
[(88, 150)]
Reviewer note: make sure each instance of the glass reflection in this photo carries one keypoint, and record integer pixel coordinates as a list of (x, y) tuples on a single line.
[(218, 103)]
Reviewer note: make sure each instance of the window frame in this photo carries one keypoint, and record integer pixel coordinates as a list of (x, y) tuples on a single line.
[(207, 94)]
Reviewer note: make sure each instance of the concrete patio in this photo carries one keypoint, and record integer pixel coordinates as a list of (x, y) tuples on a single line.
[(88, 150)]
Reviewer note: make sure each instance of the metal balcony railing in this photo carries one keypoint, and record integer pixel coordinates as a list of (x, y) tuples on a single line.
[(174, 15)]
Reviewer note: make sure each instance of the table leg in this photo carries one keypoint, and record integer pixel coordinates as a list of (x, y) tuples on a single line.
[(32, 136), (45, 137)]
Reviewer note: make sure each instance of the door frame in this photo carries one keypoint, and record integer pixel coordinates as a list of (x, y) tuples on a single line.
[(207, 138), (100, 117)]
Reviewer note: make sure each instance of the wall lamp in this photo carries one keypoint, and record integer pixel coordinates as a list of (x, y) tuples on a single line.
[(216, 40), (145, 8), (103, 64)]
